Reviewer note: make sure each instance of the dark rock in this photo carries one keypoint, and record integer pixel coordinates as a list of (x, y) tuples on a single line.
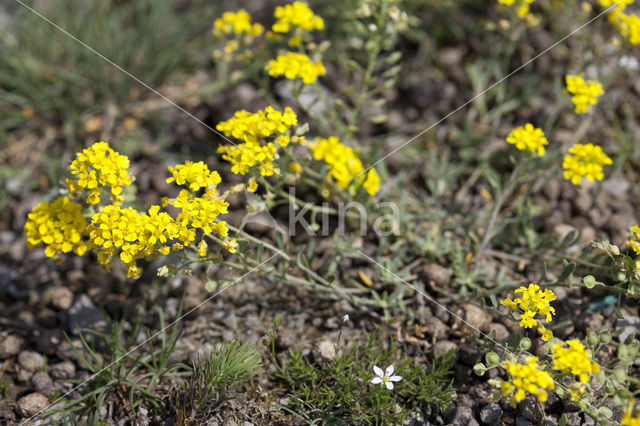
[(491, 414), (7, 415), (521, 421), (47, 318), (48, 341), (31, 361), (531, 409), (32, 404), (84, 314)]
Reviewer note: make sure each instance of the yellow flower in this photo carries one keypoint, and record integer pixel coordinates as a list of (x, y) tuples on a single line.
[(202, 248), (532, 302), (627, 25), (575, 359), (194, 175), (199, 213), (585, 93), (344, 166), (629, 418), (253, 185), (59, 225), (230, 245), (99, 166), (522, 6), (298, 15), (236, 23), (295, 168), (585, 161), (136, 235), (372, 182), (529, 377), (528, 138), (294, 65), (262, 124), (634, 242), (254, 129)]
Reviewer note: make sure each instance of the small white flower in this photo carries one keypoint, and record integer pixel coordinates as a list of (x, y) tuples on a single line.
[(345, 318), (385, 377)]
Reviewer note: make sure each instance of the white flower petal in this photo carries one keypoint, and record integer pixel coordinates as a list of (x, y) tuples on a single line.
[(378, 371), (389, 370), (389, 385), (376, 380), (395, 378)]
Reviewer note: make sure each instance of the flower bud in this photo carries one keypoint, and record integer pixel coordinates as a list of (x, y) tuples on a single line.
[(492, 359), (479, 369), (605, 338), (525, 343), (589, 281), (592, 339)]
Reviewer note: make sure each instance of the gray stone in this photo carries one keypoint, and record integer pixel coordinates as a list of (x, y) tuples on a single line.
[(476, 318), (462, 416), (491, 414), (61, 298), (502, 334), (437, 275), (84, 314), (32, 404), (630, 325), (31, 361), (324, 352), (442, 347), (63, 370), (42, 383), (10, 346)]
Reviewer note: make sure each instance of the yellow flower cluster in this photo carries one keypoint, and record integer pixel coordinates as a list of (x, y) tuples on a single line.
[(137, 235), (585, 161), (529, 139), (99, 166), (59, 225), (634, 242), (344, 166), (239, 31), (194, 175), (236, 23), (294, 65), (584, 92), (522, 6), (628, 25), (575, 359), (529, 377), (200, 213), (631, 417), (533, 301), (253, 129), (298, 15)]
